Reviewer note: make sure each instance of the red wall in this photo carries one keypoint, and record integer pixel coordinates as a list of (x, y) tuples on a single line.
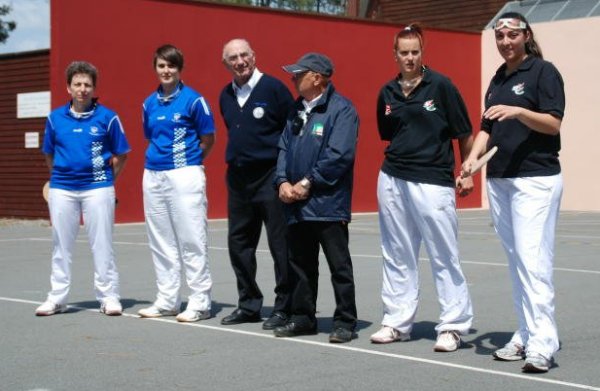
[(120, 37)]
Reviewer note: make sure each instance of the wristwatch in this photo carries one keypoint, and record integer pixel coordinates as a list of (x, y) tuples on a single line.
[(305, 183)]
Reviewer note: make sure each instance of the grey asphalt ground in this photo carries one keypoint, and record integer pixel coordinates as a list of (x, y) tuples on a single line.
[(85, 350)]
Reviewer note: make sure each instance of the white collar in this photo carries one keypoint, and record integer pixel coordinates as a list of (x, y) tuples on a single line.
[(308, 106), (250, 84)]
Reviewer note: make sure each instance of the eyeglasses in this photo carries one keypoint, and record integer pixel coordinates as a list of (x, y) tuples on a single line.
[(510, 23)]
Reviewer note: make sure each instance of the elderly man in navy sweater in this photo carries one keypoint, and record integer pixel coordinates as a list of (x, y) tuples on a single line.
[(254, 107), (314, 177)]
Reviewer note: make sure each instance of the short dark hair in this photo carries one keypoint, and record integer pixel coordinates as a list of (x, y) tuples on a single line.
[(169, 53), (81, 67)]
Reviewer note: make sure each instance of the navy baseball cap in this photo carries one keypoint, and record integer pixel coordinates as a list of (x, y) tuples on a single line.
[(315, 62)]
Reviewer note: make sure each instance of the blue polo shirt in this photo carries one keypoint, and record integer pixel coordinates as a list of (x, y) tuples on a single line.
[(173, 128), (522, 152), (82, 147)]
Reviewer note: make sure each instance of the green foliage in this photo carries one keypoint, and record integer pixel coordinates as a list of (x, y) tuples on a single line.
[(5, 27), (335, 7)]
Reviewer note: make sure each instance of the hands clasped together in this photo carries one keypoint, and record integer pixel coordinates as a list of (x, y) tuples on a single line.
[(289, 193)]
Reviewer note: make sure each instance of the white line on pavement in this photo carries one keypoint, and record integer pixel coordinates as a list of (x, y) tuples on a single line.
[(342, 347)]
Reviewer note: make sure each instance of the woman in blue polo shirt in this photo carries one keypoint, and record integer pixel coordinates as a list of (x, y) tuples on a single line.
[(420, 112), (179, 127), (86, 149), (524, 106)]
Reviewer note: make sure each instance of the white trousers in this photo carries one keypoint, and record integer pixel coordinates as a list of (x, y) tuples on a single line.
[(525, 212), (175, 208), (98, 209), (411, 213)]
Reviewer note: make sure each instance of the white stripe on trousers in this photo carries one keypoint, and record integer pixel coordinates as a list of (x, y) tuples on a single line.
[(98, 209), (175, 207), (411, 213), (525, 213)]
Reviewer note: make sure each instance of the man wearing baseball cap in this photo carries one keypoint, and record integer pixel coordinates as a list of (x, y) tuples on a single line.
[(314, 177)]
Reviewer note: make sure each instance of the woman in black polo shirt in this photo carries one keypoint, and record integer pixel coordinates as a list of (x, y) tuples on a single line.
[(419, 112), (524, 106)]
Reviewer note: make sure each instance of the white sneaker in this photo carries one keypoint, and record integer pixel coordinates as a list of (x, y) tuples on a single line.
[(389, 334), (49, 308), (447, 341), (111, 307), (510, 352), (155, 312), (536, 363), (193, 315)]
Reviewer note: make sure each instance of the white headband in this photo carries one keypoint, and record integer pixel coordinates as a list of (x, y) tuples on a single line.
[(511, 23)]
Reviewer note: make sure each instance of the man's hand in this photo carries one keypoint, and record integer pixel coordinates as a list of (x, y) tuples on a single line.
[(286, 194), (300, 192)]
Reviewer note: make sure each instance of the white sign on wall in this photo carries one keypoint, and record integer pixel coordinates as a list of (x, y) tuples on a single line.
[(32, 139), (33, 104)]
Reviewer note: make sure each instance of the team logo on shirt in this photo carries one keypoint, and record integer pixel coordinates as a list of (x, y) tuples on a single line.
[(94, 131), (258, 112), (519, 89), (429, 105), (388, 109), (176, 117), (317, 130)]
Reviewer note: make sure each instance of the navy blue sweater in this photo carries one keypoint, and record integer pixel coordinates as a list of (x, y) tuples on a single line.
[(254, 130)]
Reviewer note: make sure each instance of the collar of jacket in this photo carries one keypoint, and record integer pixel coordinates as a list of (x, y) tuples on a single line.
[(321, 103)]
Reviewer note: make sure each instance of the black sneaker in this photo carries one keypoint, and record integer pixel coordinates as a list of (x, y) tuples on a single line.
[(341, 335)]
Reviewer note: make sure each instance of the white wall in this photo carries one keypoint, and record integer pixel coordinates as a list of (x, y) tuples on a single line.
[(574, 47)]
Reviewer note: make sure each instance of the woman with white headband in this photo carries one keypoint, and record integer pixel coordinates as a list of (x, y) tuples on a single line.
[(524, 107)]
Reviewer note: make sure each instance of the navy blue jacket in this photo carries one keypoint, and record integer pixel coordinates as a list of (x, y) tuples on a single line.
[(322, 151)]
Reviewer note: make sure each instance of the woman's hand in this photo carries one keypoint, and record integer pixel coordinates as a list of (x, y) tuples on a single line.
[(502, 112), (467, 167), (464, 185)]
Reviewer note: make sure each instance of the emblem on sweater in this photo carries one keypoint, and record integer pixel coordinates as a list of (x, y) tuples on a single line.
[(388, 109), (94, 131), (429, 105), (176, 117), (258, 112), (317, 130), (519, 89)]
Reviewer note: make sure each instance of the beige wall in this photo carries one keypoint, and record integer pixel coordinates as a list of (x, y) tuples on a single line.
[(574, 47)]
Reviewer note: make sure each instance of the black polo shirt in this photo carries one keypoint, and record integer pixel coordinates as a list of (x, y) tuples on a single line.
[(420, 129), (522, 152)]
